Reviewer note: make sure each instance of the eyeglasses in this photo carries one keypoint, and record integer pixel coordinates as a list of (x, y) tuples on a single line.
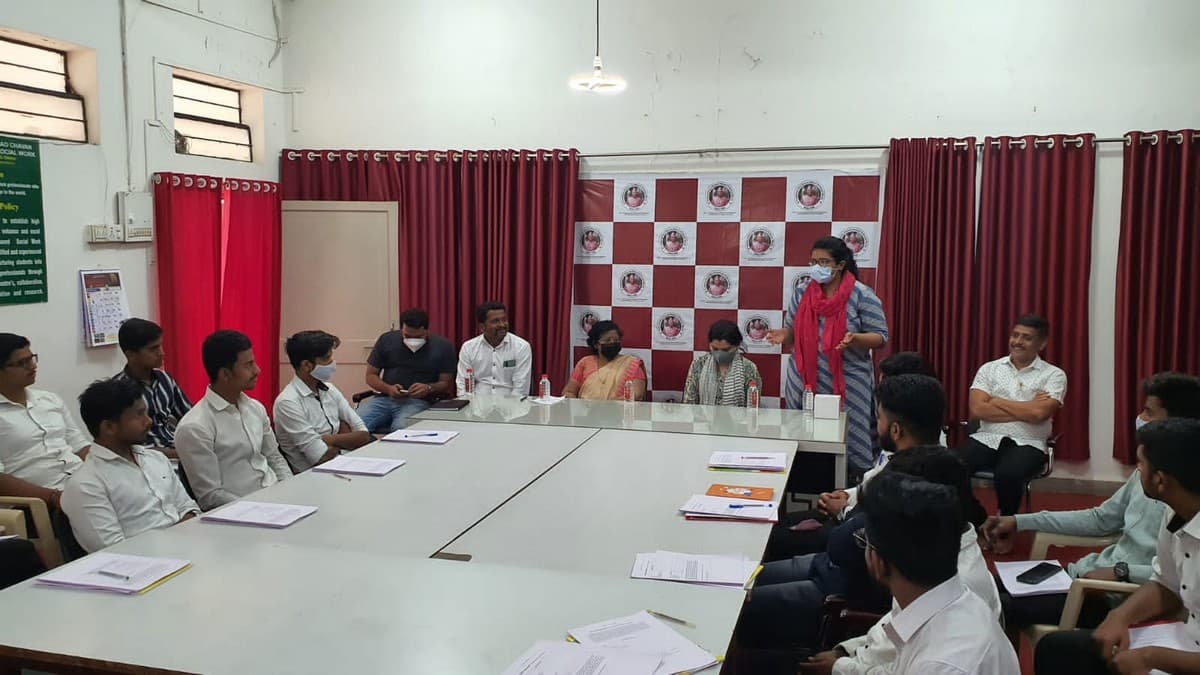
[(823, 262), (860, 538), (26, 363)]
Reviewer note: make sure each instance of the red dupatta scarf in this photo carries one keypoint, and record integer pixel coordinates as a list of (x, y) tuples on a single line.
[(814, 305)]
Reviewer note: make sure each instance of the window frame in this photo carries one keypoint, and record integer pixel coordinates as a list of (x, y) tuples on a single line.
[(240, 124), (68, 93)]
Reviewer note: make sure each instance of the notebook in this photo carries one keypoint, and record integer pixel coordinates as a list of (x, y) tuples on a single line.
[(114, 573), (642, 633), (741, 492), (419, 436), (722, 508), (749, 461), (259, 514), (360, 466)]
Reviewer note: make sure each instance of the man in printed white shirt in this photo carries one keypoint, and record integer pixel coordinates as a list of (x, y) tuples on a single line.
[(912, 542), (1169, 462), (1015, 399), (501, 362), (123, 488), (40, 444), (225, 442), (313, 420)]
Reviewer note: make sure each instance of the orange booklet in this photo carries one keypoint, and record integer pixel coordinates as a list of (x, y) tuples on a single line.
[(762, 494)]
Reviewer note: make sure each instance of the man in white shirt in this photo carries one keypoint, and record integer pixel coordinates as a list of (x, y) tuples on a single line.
[(40, 444), (501, 362), (1015, 399), (313, 420), (123, 488), (1170, 470), (225, 442), (913, 535)]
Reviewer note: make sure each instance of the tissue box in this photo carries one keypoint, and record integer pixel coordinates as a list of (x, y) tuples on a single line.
[(827, 406)]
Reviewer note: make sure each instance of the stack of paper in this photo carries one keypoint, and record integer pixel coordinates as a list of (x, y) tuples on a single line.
[(259, 514), (1008, 572), (772, 462), (565, 658), (642, 633), (360, 466), (1171, 635), (710, 570), (419, 436), (115, 573), (704, 507)]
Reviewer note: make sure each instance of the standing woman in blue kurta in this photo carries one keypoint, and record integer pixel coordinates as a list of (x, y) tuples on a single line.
[(833, 323)]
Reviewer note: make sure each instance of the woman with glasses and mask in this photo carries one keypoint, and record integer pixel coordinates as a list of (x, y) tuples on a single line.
[(833, 322), (723, 375), (602, 375)]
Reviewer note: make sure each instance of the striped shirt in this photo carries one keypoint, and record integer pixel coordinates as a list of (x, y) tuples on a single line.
[(165, 403)]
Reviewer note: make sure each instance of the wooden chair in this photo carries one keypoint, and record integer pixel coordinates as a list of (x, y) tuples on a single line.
[(46, 543), (1042, 542)]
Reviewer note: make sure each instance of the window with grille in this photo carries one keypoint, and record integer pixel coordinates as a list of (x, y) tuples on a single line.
[(208, 120), (36, 98)]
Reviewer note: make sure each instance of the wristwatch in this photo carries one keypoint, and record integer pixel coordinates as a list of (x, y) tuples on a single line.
[(1121, 571)]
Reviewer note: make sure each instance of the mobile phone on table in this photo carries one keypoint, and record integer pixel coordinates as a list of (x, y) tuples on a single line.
[(1038, 573)]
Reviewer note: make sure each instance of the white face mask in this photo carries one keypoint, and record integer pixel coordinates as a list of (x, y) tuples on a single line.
[(821, 274), (1138, 423), (414, 343), (324, 372)]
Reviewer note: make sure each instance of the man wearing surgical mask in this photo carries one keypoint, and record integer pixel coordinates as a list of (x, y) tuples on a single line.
[(313, 420), (409, 368), (1128, 513)]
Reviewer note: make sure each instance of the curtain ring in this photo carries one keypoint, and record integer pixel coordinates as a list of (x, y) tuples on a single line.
[(292, 155), (1178, 138), (351, 155), (158, 179), (1051, 146), (486, 155), (187, 181), (202, 182), (438, 156), (257, 186), (378, 156), (399, 156), (312, 156), (332, 155), (245, 186), (174, 181), (419, 156), (1154, 139), (212, 183), (232, 185), (274, 187)]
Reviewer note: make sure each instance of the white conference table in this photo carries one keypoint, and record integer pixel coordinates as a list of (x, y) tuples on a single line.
[(272, 607), (618, 496)]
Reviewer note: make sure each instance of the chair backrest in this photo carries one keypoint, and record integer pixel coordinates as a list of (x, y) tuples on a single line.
[(46, 542)]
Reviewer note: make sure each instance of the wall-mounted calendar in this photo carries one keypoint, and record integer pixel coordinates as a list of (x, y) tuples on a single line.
[(105, 306)]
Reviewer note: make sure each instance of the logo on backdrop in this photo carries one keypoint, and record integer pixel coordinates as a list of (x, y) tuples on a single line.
[(856, 239), (632, 283), (810, 194), (760, 242), (673, 242), (586, 322), (720, 195), (670, 327), (634, 196), (799, 281), (716, 285), (756, 329), (591, 240)]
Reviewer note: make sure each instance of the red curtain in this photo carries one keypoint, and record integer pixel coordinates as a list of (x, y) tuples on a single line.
[(1158, 279), (927, 260), (187, 218), (251, 275), (474, 226), (1035, 256)]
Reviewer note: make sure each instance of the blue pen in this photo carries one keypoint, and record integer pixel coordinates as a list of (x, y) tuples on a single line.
[(749, 506), (418, 435)]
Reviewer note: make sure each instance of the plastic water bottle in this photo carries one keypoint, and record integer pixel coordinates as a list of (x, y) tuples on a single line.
[(629, 391), (752, 395), (544, 387), (469, 382), (810, 399)]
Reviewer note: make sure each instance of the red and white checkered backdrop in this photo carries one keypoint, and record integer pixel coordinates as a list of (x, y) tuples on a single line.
[(666, 256)]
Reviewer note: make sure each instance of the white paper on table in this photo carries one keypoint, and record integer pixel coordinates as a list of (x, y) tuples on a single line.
[(259, 514), (8, 536), (1170, 635), (547, 400), (723, 507), (360, 466), (142, 571), (645, 634), (717, 570), (421, 436), (565, 658), (1008, 572), (763, 461)]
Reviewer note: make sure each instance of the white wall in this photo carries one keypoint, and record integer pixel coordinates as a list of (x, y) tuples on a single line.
[(713, 73), (79, 181)]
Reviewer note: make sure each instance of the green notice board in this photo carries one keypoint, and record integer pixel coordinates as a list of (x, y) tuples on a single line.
[(22, 240)]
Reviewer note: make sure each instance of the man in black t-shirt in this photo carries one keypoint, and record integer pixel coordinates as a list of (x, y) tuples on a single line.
[(409, 368)]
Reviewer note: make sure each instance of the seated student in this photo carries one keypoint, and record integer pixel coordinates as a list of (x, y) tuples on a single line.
[(909, 363), (912, 541), (313, 421), (410, 367), (123, 488), (1128, 513), (1015, 399), (225, 443), (40, 444), (501, 362), (909, 412), (1170, 471), (602, 375), (723, 375), (874, 650), (141, 341)]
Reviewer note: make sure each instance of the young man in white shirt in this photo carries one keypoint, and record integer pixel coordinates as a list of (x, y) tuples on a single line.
[(225, 442), (913, 534), (1170, 471), (1015, 399), (501, 362), (40, 444), (313, 420), (123, 488)]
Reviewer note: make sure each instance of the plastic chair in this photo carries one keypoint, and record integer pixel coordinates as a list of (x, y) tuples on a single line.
[(46, 543), (971, 426), (1042, 542), (840, 623)]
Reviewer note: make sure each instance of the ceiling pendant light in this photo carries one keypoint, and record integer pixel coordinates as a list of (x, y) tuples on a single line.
[(596, 81)]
